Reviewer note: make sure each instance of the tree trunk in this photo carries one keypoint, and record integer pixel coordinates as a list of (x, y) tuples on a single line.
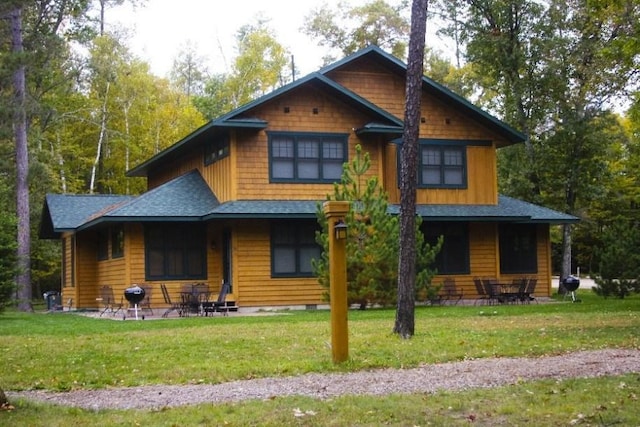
[(103, 132), (56, 153), (3, 399), (566, 256), (127, 132), (405, 316), (23, 279)]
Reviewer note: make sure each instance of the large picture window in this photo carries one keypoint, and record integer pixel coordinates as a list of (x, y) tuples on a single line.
[(442, 166), (518, 248), (306, 157), (175, 251), (453, 257), (293, 246)]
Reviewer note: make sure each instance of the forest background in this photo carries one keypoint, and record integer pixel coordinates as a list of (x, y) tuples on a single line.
[(564, 72)]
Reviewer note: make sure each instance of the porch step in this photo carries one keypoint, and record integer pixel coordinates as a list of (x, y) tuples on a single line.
[(230, 306)]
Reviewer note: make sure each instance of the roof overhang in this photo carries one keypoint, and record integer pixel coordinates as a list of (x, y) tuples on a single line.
[(200, 136), (170, 204), (507, 210)]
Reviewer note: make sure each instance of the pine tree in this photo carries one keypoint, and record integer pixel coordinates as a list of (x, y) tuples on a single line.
[(372, 245)]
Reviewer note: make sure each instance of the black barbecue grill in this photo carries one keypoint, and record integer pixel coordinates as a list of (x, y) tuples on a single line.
[(134, 295), (571, 284)]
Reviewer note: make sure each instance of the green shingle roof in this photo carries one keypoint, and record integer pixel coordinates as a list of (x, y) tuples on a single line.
[(507, 210), (186, 198), (67, 212), (265, 209)]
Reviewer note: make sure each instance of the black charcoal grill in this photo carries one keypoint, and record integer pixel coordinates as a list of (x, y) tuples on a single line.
[(571, 285), (134, 295)]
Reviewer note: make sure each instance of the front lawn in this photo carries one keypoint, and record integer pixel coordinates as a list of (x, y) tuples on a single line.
[(63, 351)]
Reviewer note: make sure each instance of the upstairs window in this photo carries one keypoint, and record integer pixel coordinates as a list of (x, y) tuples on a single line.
[(306, 157), (216, 150), (442, 166)]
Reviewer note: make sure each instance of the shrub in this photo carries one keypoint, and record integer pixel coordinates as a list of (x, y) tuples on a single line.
[(7, 258), (619, 267), (372, 246)]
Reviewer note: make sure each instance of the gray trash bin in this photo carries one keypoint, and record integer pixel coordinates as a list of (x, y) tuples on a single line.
[(52, 298)]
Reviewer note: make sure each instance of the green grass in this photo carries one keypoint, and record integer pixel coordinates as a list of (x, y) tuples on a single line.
[(66, 351)]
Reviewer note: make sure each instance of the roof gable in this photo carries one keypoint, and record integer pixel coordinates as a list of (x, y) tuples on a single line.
[(381, 121), (390, 62), (241, 118)]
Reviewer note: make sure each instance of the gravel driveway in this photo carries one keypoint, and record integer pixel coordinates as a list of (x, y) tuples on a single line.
[(425, 379)]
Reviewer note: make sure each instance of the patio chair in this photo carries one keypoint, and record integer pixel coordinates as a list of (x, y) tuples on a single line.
[(491, 288), (109, 302), (520, 286), (220, 305), (145, 304), (188, 303), (480, 290), (202, 295), (531, 288), (451, 292), (511, 293), (173, 306)]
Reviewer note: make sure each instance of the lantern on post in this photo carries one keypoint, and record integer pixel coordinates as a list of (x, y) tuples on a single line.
[(340, 229)]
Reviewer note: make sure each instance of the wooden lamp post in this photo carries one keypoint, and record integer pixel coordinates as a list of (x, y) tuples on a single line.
[(336, 211)]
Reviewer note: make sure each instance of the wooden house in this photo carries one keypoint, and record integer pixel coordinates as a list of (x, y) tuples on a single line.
[(235, 200)]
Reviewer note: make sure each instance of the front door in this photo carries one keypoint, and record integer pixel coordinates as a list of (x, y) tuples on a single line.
[(226, 258)]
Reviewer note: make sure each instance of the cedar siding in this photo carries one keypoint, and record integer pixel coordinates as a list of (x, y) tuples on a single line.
[(234, 201), (482, 185)]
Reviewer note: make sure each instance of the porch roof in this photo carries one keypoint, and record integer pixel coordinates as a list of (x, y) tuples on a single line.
[(67, 212), (186, 198), (507, 210), (189, 199)]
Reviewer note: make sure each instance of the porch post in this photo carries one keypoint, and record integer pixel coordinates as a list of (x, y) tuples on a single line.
[(336, 211)]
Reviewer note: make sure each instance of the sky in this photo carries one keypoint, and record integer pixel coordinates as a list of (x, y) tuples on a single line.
[(162, 28)]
